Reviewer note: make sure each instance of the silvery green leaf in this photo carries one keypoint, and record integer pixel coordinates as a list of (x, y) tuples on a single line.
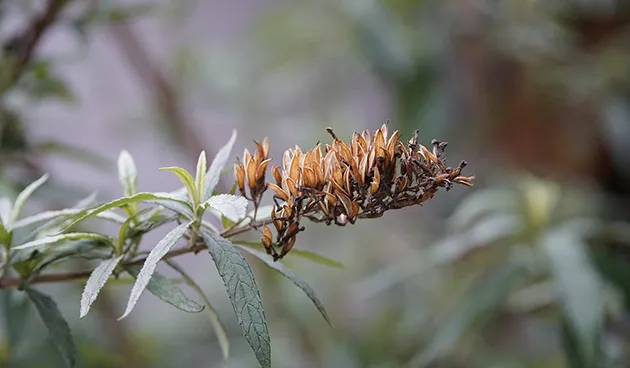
[(5, 209), (160, 198), (23, 196), (150, 264), (244, 294), (268, 260), (217, 165), (127, 173), (95, 283), (200, 176), (50, 240), (55, 323), (168, 291), (232, 207)]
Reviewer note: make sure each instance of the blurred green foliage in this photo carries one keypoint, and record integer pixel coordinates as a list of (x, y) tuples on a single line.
[(528, 270)]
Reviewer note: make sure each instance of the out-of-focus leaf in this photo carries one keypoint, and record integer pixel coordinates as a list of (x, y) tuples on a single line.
[(217, 165), (150, 264), (15, 306), (127, 173), (473, 309), (306, 254), (483, 233), (188, 181), (55, 323), (23, 196), (232, 207), (268, 260), (244, 294), (200, 175), (139, 197), (79, 154), (127, 12), (95, 283), (482, 203), (219, 329), (167, 291), (579, 287), (50, 240)]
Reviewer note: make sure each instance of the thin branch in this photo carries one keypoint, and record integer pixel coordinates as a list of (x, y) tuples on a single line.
[(21, 48), (163, 93), (10, 282)]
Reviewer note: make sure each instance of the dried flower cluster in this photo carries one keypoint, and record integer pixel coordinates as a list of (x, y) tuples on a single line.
[(361, 179)]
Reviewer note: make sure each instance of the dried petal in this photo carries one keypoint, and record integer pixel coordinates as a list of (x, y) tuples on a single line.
[(239, 177), (278, 191), (251, 174), (376, 181), (275, 171)]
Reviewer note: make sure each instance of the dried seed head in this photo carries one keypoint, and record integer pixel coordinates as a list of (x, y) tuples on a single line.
[(361, 178)]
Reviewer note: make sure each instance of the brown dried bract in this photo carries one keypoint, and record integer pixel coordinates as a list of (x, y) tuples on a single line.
[(364, 178)]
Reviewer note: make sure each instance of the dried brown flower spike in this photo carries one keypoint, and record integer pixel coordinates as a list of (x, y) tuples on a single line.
[(347, 181)]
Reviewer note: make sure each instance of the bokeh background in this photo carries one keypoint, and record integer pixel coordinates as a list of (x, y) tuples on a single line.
[(530, 268)]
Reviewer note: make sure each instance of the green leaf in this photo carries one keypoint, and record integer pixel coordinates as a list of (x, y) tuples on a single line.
[(200, 176), (167, 291), (217, 165), (150, 264), (23, 196), (48, 240), (51, 215), (160, 198), (580, 288), (268, 260), (95, 283), (306, 254), (188, 181), (55, 323), (475, 308), (5, 209), (217, 325), (244, 295), (122, 232), (232, 207), (127, 173)]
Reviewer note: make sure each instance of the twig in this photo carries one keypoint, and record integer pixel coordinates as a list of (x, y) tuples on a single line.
[(10, 282), (22, 47), (163, 92)]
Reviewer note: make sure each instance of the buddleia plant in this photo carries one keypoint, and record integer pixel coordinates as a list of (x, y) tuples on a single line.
[(338, 184)]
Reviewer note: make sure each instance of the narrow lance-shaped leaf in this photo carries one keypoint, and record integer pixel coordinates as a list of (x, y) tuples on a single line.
[(122, 232), (127, 173), (139, 197), (244, 295), (232, 207), (167, 291), (580, 289), (188, 181), (23, 196), (95, 283), (217, 325), (292, 277), (303, 253), (49, 240), (200, 176), (55, 323), (217, 165), (150, 264)]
